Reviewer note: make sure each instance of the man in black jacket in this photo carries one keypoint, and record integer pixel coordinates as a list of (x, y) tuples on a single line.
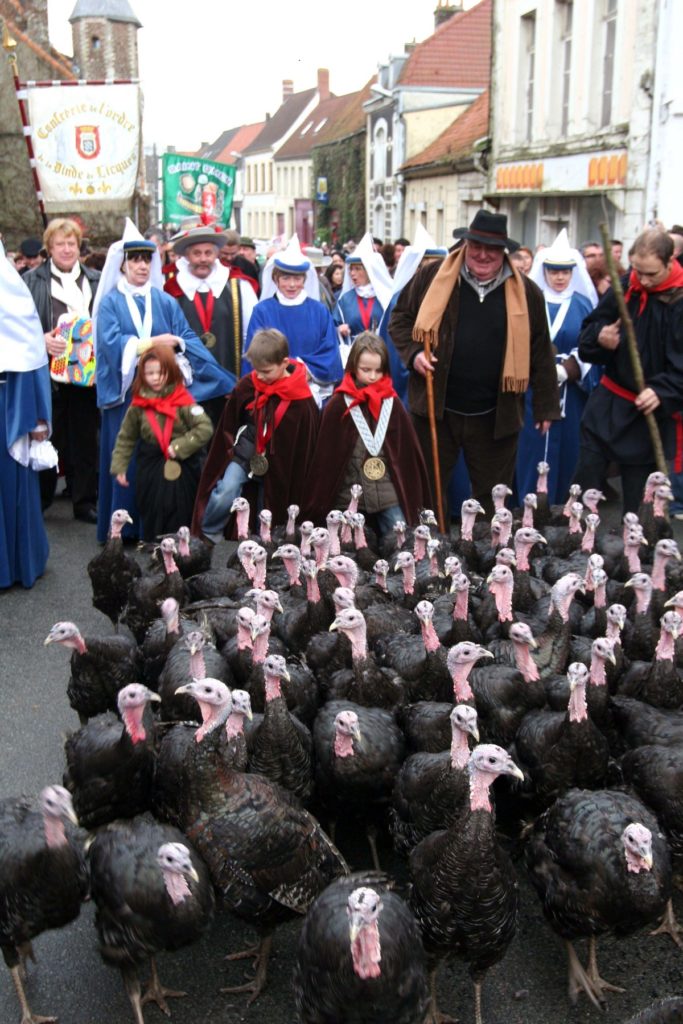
[(64, 290), (613, 427)]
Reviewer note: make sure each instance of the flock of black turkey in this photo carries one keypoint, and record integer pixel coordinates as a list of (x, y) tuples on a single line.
[(506, 701)]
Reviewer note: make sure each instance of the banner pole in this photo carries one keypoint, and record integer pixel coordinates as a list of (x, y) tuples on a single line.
[(9, 45)]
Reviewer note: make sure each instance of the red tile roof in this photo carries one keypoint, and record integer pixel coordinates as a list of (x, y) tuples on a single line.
[(281, 121), (350, 120), (306, 137), (457, 55), (456, 141), (238, 142)]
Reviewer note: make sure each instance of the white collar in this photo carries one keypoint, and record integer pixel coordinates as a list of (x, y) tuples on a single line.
[(298, 301), (190, 284), (365, 291)]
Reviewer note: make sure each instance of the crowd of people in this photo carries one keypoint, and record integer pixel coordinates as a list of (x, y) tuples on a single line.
[(175, 376)]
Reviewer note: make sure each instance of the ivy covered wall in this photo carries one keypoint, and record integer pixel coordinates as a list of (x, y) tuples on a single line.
[(343, 164)]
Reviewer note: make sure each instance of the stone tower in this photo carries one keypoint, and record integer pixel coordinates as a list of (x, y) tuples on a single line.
[(105, 39)]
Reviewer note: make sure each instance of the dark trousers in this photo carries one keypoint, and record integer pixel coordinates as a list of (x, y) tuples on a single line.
[(591, 471), (489, 461), (75, 420)]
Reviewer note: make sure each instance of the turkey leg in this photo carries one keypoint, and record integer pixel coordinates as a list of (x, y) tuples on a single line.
[(27, 1017), (434, 1015), (156, 993), (670, 925), (599, 984), (579, 980), (262, 953)]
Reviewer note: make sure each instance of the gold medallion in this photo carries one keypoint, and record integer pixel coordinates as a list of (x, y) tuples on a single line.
[(209, 339), (172, 469), (374, 469), (258, 465)]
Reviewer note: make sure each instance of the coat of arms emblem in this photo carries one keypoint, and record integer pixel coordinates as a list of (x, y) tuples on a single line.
[(88, 141)]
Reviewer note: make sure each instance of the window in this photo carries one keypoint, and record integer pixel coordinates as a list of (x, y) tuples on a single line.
[(380, 152), (96, 43), (565, 12), (528, 68), (307, 128), (319, 126), (301, 182), (270, 177), (608, 61)]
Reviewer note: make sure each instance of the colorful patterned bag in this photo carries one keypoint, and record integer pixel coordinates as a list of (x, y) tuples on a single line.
[(77, 364)]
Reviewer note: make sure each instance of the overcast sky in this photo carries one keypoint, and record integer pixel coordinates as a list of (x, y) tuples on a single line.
[(226, 69)]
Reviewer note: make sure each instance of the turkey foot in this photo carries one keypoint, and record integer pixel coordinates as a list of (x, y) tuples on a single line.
[(434, 1014), (26, 1016), (255, 987), (599, 984), (670, 925), (156, 993), (579, 980), (25, 951)]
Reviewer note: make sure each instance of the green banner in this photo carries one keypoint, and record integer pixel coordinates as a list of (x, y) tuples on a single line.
[(197, 187)]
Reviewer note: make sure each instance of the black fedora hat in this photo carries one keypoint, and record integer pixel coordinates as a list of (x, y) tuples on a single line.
[(489, 229)]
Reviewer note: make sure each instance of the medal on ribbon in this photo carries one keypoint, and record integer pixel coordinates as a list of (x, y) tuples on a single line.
[(374, 468), (172, 469)]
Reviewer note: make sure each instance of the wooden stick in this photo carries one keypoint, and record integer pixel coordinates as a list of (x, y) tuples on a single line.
[(429, 380), (636, 365)]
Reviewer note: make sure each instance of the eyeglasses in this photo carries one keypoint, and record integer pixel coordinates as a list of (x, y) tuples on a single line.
[(135, 257)]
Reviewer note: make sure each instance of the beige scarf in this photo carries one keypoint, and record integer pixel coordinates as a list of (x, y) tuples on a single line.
[(517, 348)]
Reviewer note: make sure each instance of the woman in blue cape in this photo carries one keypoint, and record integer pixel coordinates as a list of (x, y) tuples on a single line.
[(131, 314), (569, 297), (25, 415), (291, 303)]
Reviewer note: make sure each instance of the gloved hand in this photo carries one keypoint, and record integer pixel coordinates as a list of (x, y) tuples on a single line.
[(562, 374)]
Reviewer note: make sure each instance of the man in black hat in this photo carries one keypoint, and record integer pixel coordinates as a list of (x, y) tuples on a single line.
[(488, 331), (29, 255)]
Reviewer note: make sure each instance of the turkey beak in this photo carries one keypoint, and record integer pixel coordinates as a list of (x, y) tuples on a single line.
[(47, 640), (128, 519), (611, 658), (71, 815), (431, 521), (285, 675), (278, 606), (355, 732), (474, 731), (515, 771), (355, 927), (335, 625), (397, 567), (192, 873), (154, 696), (186, 688), (541, 540), (483, 653), (647, 860)]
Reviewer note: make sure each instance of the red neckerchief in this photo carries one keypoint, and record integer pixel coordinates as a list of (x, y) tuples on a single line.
[(365, 308), (293, 387), (164, 405), (205, 312), (674, 280), (373, 394)]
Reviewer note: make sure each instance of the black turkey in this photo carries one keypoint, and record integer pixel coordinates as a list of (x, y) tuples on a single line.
[(192, 658), (360, 958), (431, 788), (367, 682), (668, 1011), (110, 761), (112, 571), (100, 667), (599, 864), (43, 879), (193, 556), (464, 892), (147, 592), (153, 894)]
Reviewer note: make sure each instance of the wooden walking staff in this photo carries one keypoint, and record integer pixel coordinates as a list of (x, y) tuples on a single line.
[(9, 45), (636, 365), (429, 381)]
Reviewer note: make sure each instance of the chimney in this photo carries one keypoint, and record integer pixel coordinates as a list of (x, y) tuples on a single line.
[(287, 88), (445, 11), (323, 83)]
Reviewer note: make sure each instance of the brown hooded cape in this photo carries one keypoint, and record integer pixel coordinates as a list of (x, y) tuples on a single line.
[(336, 441), (289, 453)]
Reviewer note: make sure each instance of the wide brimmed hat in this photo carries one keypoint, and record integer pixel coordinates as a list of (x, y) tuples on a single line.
[(247, 243), (198, 235), (489, 229)]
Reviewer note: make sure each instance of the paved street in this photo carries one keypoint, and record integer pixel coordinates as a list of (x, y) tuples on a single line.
[(71, 982)]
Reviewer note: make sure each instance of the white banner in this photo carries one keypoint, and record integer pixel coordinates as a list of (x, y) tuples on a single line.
[(86, 141)]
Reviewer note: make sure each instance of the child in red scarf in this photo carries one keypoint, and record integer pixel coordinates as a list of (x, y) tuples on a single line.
[(374, 446), (264, 440), (169, 428)]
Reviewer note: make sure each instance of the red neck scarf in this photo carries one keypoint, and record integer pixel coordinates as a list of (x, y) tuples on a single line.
[(164, 405), (291, 388), (373, 394), (674, 280)]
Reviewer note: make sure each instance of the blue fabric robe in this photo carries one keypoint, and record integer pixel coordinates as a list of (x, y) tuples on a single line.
[(114, 328), (563, 437), (347, 312), (399, 374), (310, 331), (24, 399)]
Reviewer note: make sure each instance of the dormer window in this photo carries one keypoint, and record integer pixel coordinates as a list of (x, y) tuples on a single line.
[(307, 128)]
